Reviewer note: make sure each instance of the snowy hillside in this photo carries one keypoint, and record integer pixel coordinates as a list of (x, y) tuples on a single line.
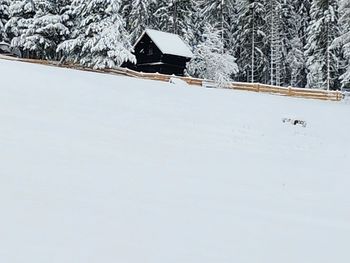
[(97, 168)]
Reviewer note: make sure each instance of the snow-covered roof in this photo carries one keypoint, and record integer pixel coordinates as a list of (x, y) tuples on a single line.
[(168, 43)]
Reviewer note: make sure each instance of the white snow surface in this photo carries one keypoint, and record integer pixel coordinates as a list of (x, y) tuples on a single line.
[(177, 81), (168, 43), (97, 168)]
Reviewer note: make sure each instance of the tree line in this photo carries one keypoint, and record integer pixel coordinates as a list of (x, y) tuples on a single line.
[(301, 43)]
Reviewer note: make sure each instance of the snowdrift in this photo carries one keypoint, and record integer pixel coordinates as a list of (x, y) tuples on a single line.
[(97, 168)]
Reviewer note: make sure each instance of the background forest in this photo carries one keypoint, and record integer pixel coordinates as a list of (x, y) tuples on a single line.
[(301, 43)]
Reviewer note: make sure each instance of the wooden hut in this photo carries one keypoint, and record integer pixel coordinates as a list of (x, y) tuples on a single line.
[(160, 52)]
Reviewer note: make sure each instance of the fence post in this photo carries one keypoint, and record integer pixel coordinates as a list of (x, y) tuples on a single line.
[(339, 96)]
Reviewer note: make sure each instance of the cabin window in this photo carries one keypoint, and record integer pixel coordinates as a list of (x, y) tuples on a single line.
[(150, 51)]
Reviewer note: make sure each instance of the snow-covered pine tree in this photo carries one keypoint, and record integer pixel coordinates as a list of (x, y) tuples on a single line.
[(192, 28), (185, 19), (286, 59), (223, 15), (301, 18), (21, 14), (37, 27), (213, 11), (47, 31), (4, 17), (67, 16), (343, 41), (165, 16), (100, 39), (231, 25), (295, 60), (175, 16), (137, 15), (210, 62), (322, 61), (251, 48)]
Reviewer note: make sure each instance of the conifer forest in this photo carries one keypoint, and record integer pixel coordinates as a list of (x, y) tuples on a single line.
[(298, 43)]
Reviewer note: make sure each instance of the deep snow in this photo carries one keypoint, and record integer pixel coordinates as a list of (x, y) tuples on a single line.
[(98, 168)]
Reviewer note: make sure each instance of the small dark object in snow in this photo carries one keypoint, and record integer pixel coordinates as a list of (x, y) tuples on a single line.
[(295, 122)]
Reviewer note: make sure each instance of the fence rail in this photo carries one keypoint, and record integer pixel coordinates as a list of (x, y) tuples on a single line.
[(253, 87)]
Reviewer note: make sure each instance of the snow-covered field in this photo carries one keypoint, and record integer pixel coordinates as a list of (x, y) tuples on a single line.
[(100, 169)]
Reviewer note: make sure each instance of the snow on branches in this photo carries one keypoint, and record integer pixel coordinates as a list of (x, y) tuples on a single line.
[(100, 39), (211, 61)]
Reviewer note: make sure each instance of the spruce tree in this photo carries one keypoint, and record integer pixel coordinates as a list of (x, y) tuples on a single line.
[(252, 40), (322, 61), (100, 39), (184, 23), (175, 16), (165, 15), (222, 14), (4, 17), (302, 21), (192, 27), (343, 42), (36, 27), (21, 14), (138, 16)]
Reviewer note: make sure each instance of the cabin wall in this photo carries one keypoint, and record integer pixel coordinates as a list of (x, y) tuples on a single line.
[(163, 69), (175, 60)]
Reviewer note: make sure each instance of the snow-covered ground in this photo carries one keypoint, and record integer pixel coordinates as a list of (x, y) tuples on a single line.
[(97, 169)]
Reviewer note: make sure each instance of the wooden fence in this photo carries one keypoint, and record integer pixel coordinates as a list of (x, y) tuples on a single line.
[(253, 87), (289, 91)]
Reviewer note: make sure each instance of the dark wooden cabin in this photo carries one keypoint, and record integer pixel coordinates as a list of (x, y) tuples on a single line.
[(160, 52)]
